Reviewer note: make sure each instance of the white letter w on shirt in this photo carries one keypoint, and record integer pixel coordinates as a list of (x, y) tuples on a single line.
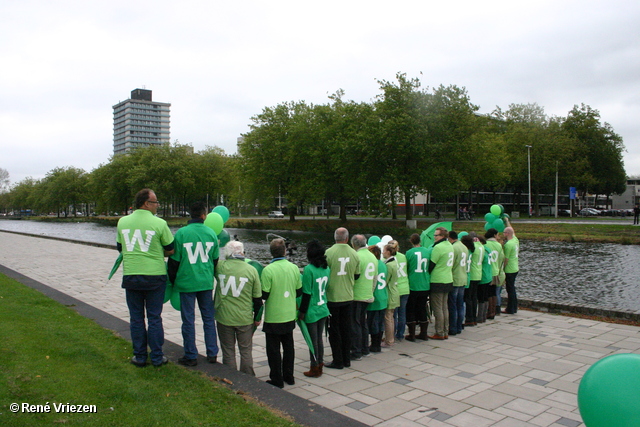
[(200, 252), (137, 237)]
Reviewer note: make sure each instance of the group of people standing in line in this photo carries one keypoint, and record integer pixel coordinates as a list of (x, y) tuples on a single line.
[(367, 297)]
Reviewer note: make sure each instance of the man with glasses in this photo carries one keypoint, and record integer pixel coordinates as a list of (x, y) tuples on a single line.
[(440, 269), (144, 241)]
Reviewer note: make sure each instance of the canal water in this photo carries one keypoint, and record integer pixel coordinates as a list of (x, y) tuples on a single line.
[(602, 275)]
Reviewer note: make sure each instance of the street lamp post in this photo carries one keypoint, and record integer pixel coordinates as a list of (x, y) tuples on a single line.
[(529, 163)]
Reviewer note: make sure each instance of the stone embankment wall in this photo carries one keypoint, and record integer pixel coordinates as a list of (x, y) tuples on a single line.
[(560, 308)]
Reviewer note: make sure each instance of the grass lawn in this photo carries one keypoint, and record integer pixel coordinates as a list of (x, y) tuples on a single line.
[(50, 355)]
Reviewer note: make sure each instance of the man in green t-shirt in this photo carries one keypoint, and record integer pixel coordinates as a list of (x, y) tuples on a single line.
[(456, 296), (494, 248), (191, 271), (238, 301), (440, 266), (344, 264), (144, 240), (362, 297), (281, 285), (511, 267)]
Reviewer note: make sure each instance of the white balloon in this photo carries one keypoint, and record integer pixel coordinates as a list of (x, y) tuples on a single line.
[(386, 239)]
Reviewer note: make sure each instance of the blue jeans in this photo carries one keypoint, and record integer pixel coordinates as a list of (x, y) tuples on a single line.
[(359, 329), (187, 312), (152, 301), (400, 317), (456, 310), (498, 294)]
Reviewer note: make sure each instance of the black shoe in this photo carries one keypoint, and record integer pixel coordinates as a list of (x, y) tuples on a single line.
[(188, 362), (290, 381), (356, 358), (163, 362), (274, 384), (334, 366), (212, 359), (138, 363), (347, 364)]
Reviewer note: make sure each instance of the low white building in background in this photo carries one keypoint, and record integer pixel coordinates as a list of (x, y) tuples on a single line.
[(629, 198)]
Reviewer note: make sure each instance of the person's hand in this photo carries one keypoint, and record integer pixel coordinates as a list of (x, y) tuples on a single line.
[(256, 324), (301, 315)]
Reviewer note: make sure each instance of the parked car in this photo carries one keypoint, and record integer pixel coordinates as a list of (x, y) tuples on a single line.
[(564, 212), (589, 212), (275, 214)]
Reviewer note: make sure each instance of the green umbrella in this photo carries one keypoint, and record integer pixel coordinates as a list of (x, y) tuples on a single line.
[(258, 317), (307, 338), (116, 265), (427, 239)]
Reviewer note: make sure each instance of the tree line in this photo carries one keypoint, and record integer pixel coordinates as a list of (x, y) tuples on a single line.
[(408, 140)]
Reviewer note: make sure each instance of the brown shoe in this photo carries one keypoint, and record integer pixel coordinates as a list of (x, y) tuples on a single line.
[(437, 337), (314, 372)]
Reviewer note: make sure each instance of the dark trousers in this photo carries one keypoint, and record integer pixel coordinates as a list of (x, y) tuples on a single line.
[(340, 332), (359, 329), (471, 301), (512, 304), (281, 367), (417, 307), (315, 333)]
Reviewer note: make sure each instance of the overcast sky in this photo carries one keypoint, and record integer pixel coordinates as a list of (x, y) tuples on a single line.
[(64, 64)]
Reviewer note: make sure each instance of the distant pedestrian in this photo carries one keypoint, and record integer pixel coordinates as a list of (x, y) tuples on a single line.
[(636, 215)]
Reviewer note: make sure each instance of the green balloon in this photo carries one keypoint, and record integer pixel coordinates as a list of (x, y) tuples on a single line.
[(498, 224), (487, 226), (223, 238), (495, 209), (373, 240), (223, 212), (462, 234), (214, 221), (501, 209), (489, 217), (609, 392)]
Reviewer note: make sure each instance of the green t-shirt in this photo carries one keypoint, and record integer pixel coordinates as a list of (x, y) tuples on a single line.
[(196, 249), (143, 237), (344, 263), (314, 283), (281, 279), (238, 285), (363, 288), (442, 256), (487, 272), (511, 253), (494, 248), (255, 265), (392, 283), (418, 268), (476, 262), (380, 293), (460, 258), (403, 276)]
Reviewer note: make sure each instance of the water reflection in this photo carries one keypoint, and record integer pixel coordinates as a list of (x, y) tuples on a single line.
[(603, 275)]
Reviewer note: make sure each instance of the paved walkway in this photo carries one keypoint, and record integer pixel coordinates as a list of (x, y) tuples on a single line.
[(521, 370)]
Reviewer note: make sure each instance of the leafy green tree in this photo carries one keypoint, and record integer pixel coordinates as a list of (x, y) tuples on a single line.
[(601, 147)]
